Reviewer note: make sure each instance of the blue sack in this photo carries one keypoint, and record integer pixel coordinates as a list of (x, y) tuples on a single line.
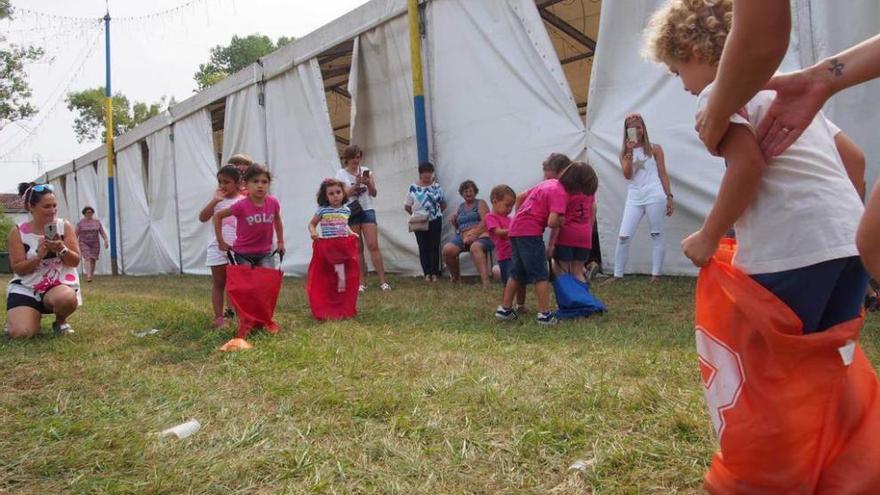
[(574, 298)]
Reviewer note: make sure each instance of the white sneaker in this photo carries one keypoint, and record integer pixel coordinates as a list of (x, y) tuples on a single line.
[(385, 287)]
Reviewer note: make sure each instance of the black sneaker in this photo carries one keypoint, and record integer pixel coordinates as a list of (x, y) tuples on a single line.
[(229, 314), (546, 318), (505, 314)]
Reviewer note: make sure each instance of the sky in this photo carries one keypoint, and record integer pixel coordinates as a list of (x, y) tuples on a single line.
[(156, 47)]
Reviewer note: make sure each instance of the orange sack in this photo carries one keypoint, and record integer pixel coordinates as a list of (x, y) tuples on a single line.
[(795, 414)]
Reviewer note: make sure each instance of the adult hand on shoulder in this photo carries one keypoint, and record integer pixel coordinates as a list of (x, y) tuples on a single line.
[(799, 97), (711, 128), (698, 248)]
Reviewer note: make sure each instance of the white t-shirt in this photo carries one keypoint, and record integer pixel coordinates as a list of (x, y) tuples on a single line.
[(350, 180), (645, 187), (806, 210)]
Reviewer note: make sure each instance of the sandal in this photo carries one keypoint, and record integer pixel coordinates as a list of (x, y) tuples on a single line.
[(62, 329)]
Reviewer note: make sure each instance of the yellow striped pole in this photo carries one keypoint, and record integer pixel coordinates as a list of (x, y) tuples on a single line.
[(415, 53)]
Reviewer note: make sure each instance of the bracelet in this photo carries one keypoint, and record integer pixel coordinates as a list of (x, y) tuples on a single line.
[(669, 196), (63, 252)]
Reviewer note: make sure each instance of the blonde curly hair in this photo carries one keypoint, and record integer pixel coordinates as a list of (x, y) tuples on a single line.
[(683, 29)]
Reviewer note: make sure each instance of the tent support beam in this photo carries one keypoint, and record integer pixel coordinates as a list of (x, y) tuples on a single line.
[(571, 31)]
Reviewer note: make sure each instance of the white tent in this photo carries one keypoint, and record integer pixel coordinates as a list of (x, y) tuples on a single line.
[(507, 82)]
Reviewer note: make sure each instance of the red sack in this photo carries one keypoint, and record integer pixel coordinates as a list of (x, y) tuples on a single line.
[(795, 414), (254, 294), (334, 277)]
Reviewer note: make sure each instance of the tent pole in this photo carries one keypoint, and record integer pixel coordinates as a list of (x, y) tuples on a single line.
[(108, 119), (415, 51)]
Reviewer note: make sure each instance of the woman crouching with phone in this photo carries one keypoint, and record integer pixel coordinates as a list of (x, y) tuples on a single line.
[(44, 254)]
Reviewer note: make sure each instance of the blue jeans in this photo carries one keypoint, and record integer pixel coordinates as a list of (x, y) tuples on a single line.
[(821, 295)]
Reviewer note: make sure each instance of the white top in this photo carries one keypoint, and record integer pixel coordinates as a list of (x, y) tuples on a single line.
[(806, 210), (227, 226), (350, 180), (645, 187), (50, 272)]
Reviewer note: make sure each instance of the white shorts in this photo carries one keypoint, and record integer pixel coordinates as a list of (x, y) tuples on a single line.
[(216, 257)]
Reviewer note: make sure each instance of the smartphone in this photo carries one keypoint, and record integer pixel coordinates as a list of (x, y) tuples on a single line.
[(51, 231), (366, 174), (632, 134)]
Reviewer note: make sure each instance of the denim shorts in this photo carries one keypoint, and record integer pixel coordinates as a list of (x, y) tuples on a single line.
[(16, 300), (529, 260), (366, 216), (505, 266), (570, 253), (487, 243), (266, 260)]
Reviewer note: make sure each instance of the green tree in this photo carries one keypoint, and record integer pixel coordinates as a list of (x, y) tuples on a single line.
[(88, 105), (15, 91), (238, 54)]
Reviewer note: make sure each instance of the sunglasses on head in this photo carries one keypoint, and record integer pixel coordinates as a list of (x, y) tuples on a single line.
[(42, 188)]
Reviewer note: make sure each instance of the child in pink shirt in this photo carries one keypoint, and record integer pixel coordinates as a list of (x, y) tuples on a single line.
[(544, 206), (257, 216), (571, 247), (498, 226)]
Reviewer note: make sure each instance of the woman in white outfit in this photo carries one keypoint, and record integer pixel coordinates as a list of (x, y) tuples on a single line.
[(648, 193)]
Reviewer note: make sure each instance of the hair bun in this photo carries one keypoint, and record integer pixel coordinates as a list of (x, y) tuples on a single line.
[(24, 186)]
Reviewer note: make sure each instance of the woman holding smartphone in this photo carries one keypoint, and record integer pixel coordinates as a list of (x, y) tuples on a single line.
[(360, 188), (648, 192), (44, 254)]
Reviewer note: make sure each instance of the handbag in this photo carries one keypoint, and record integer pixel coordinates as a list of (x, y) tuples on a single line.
[(418, 221)]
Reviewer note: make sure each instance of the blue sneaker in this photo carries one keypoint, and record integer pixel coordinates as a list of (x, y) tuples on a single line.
[(546, 318), (505, 314)]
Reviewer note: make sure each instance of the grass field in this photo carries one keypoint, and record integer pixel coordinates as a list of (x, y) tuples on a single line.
[(424, 393)]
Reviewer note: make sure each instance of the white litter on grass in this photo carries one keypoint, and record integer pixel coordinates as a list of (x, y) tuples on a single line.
[(582, 465), (182, 430), (152, 331)]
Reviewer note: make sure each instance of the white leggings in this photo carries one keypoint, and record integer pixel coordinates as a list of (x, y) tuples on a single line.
[(632, 215)]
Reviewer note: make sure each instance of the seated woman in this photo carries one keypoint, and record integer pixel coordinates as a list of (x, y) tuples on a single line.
[(44, 254), (469, 222)]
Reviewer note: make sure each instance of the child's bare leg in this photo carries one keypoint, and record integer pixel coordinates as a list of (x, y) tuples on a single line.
[(512, 288), (340, 277), (576, 268), (521, 295), (542, 291), (218, 289)]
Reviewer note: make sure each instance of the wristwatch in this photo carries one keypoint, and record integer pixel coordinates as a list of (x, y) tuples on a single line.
[(63, 252)]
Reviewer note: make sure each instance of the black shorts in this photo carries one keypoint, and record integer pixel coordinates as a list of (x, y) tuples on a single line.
[(15, 300)]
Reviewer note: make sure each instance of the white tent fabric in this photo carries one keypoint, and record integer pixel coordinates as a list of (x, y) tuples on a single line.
[(499, 98), (833, 30), (196, 170), (623, 82), (135, 215), (244, 126), (70, 194), (92, 192), (382, 125), (162, 202), (302, 153), (61, 200)]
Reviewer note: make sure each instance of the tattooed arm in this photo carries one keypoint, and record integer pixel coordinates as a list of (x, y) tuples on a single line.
[(800, 95)]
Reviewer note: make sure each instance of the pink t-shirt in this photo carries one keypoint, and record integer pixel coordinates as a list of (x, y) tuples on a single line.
[(577, 231), (502, 244), (254, 225), (531, 218)]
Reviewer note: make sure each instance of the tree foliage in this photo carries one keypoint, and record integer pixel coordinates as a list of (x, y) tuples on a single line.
[(15, 91), (88, 105), (238, 54)]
